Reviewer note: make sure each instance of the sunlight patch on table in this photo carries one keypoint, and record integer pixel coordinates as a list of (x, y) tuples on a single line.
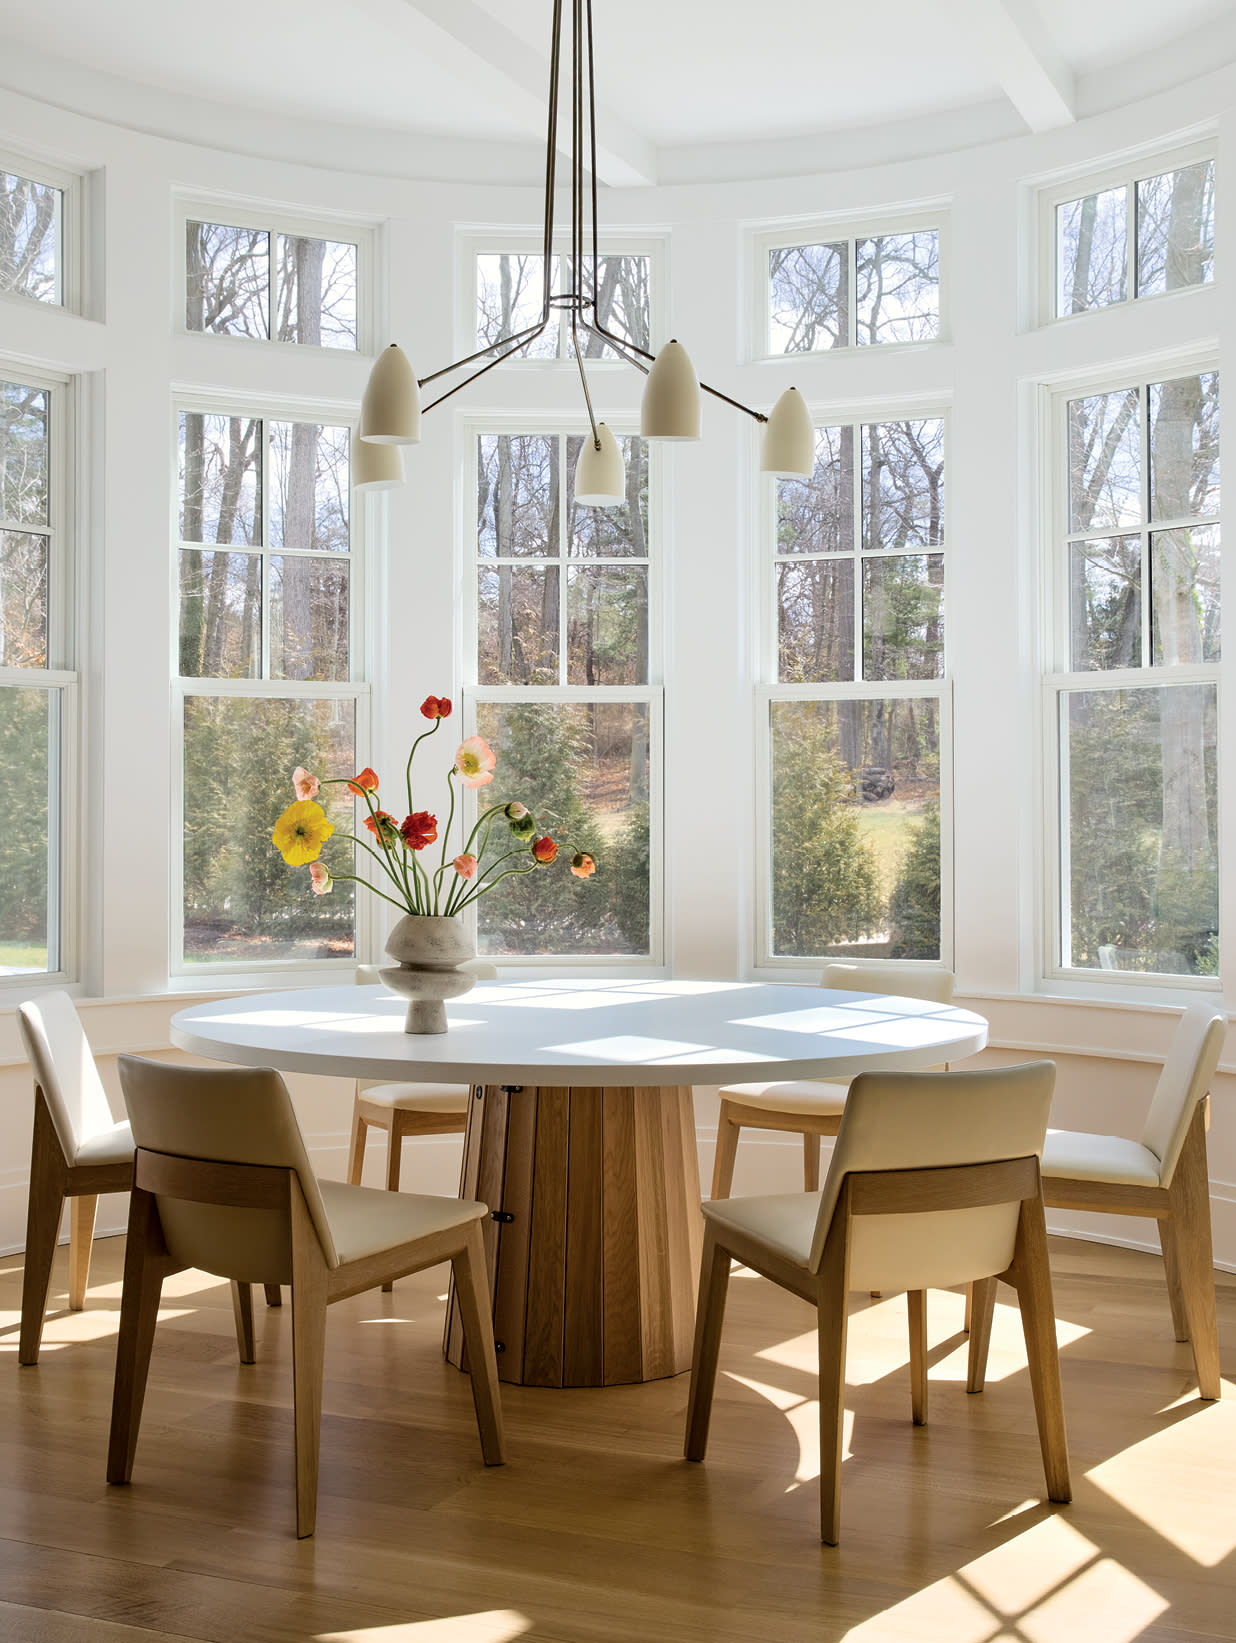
[(1199, 1522), (489, 1626), (633, 1050)]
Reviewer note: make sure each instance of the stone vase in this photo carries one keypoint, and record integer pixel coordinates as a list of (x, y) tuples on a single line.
[(427, 949)]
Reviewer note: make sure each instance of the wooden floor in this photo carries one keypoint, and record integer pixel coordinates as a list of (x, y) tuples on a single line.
[(597, 1531)]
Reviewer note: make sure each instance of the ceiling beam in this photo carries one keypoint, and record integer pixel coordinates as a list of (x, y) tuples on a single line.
[(471, 41), (1011, 38)]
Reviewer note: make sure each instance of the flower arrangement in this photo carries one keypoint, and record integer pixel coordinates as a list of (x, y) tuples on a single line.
[(450, 886)]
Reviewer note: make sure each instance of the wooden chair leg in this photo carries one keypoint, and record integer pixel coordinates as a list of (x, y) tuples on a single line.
[(1038, 1322), (969, 1312), (81, 1237), (726, 1153), (146, 1264), (274, 1295), (831, 1327), (356, 1148), (308, 1351), (982, 1297), (917, 1304), (43, 1215), (1171, 1272), (811, 1163), (1189, 1197), (476, 1314), (709, 1316), (242, 1308)]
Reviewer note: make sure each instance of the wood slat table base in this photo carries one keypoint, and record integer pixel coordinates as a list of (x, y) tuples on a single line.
[(594, 1261)]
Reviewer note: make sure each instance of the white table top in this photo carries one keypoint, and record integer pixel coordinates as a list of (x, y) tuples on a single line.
[(583, 1032)]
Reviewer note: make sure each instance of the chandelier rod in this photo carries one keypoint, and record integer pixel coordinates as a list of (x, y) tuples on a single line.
[(574, 299)]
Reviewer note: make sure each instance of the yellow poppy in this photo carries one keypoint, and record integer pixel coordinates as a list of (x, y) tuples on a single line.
[(301, 832)]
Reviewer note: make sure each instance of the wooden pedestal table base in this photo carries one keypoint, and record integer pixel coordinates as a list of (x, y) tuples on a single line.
[(593, 1248)]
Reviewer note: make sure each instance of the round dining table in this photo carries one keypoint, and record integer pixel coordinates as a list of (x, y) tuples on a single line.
[(581, 1128)]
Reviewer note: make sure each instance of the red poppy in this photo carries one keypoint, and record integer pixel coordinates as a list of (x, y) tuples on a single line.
[(383, 826), (366, 782), (419, 829), (436, 707), (545, 849)]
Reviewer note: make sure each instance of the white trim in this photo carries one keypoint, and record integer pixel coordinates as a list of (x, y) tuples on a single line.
[(850, 229), (336, 228), (1135, 167)]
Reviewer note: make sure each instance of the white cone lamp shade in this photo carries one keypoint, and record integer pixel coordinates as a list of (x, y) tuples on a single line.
[(671, 404), (376, 467), (391, 408), (600, 477), (789, 439)]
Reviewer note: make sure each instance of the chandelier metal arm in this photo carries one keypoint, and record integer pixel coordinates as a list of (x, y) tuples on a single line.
[(497, 360)]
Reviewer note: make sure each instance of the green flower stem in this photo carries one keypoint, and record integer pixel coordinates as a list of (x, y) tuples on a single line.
[(488, 820), (412, 754), (352, 878), (479, 887), (480, 890), (407, 904), (446, 831)]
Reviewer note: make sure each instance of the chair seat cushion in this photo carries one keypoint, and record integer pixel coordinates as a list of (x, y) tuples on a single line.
[(802, 1095), (113, 1146), (418, 1097), (1076, 1156), (784, 1221), (365, 1220)]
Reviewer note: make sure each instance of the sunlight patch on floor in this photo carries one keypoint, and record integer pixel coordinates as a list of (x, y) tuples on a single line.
[(1140, 1478), (491, 1626)]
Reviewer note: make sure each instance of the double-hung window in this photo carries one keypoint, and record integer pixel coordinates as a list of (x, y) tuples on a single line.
[(267, 575), (565, 643), (855, 729), (38, 691), (1134, 697)]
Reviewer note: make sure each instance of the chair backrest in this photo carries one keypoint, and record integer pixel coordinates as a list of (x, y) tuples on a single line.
[(931, 983), (369, 975), (1185, 1079), (921, 1121), (225, 1115), (64, 1067)]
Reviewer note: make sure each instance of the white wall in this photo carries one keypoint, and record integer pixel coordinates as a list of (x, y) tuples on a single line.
[(128, 357)]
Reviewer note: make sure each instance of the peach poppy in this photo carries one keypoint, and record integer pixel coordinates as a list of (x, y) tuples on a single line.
[(304, 785), (323, 884), (582, 865), (465, 866), (475, 761)]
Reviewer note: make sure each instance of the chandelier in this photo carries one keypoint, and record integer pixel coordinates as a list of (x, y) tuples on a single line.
[(391, 409)]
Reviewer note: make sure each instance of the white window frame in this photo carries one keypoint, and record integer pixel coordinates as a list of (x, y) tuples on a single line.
[(1060, 680), (357, 688), (1123, 173), (653, 693), (69, 230), (64, 628), (340, 228), (858, 689), (475, 243), (825, 230)]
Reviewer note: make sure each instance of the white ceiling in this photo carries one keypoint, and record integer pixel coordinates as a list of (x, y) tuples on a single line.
[(412, 85)]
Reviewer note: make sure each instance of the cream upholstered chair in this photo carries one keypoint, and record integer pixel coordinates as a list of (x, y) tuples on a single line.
[(1163, 1175), (934, 1181), (221, 1181), (805, 1106), (79, 1151), (405, 1109)]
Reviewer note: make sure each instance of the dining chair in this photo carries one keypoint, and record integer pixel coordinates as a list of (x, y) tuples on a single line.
[(809, 1107), (1164, 1176), (79, 1151), (221, 1182), (405, 1109), (934, 1181)]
